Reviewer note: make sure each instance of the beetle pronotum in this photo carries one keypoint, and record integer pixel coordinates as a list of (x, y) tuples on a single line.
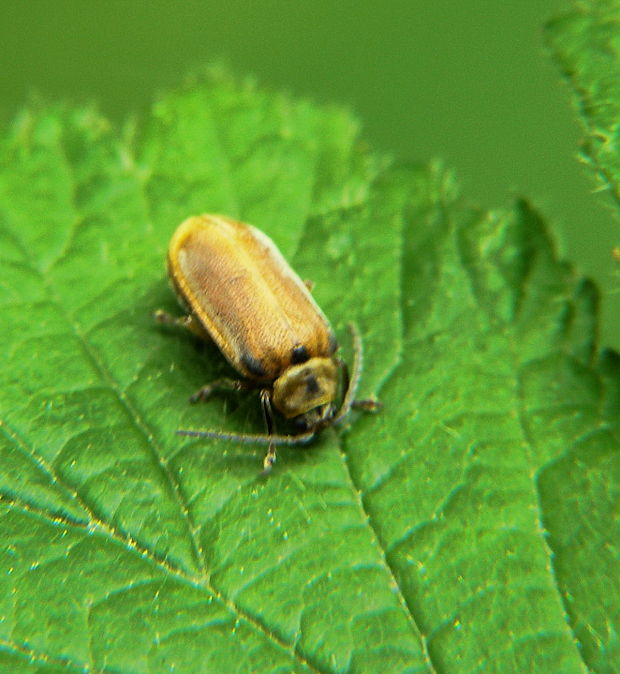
[(240, 292)]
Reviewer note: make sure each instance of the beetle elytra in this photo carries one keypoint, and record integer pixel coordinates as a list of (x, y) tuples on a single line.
[(240, 292)]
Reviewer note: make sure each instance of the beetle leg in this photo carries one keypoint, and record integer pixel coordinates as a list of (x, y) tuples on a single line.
[(270, 457), (188, 322), (309, 284), (224, 383), (368, 405)]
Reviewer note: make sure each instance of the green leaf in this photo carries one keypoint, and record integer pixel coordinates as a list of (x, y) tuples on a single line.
[(586, 46), (468, 525)]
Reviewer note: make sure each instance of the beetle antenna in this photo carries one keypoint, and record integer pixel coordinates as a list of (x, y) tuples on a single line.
[(354, 380), (259, 438)]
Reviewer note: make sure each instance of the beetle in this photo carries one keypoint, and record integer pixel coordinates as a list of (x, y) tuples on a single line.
[(239, 291)]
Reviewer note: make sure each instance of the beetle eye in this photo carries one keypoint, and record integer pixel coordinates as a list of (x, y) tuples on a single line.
[(301, 423), (312, 385), (300, 354)]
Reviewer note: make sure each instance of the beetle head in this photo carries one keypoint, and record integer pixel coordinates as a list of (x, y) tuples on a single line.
[(307, 391)]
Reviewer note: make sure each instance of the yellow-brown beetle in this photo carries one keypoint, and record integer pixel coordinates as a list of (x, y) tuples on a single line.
[(240, 291)]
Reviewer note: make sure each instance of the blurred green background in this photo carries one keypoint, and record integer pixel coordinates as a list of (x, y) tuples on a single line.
[(466, 81)]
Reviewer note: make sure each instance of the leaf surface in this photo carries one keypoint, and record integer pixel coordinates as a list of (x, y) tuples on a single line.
[(464, 527), (586, 45)]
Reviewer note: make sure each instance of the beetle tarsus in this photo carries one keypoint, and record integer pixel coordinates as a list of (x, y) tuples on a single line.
[(165, 318), (370, 405), (224, 383), (162, 316), (201, 394), (187, 322), (269, 460)]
